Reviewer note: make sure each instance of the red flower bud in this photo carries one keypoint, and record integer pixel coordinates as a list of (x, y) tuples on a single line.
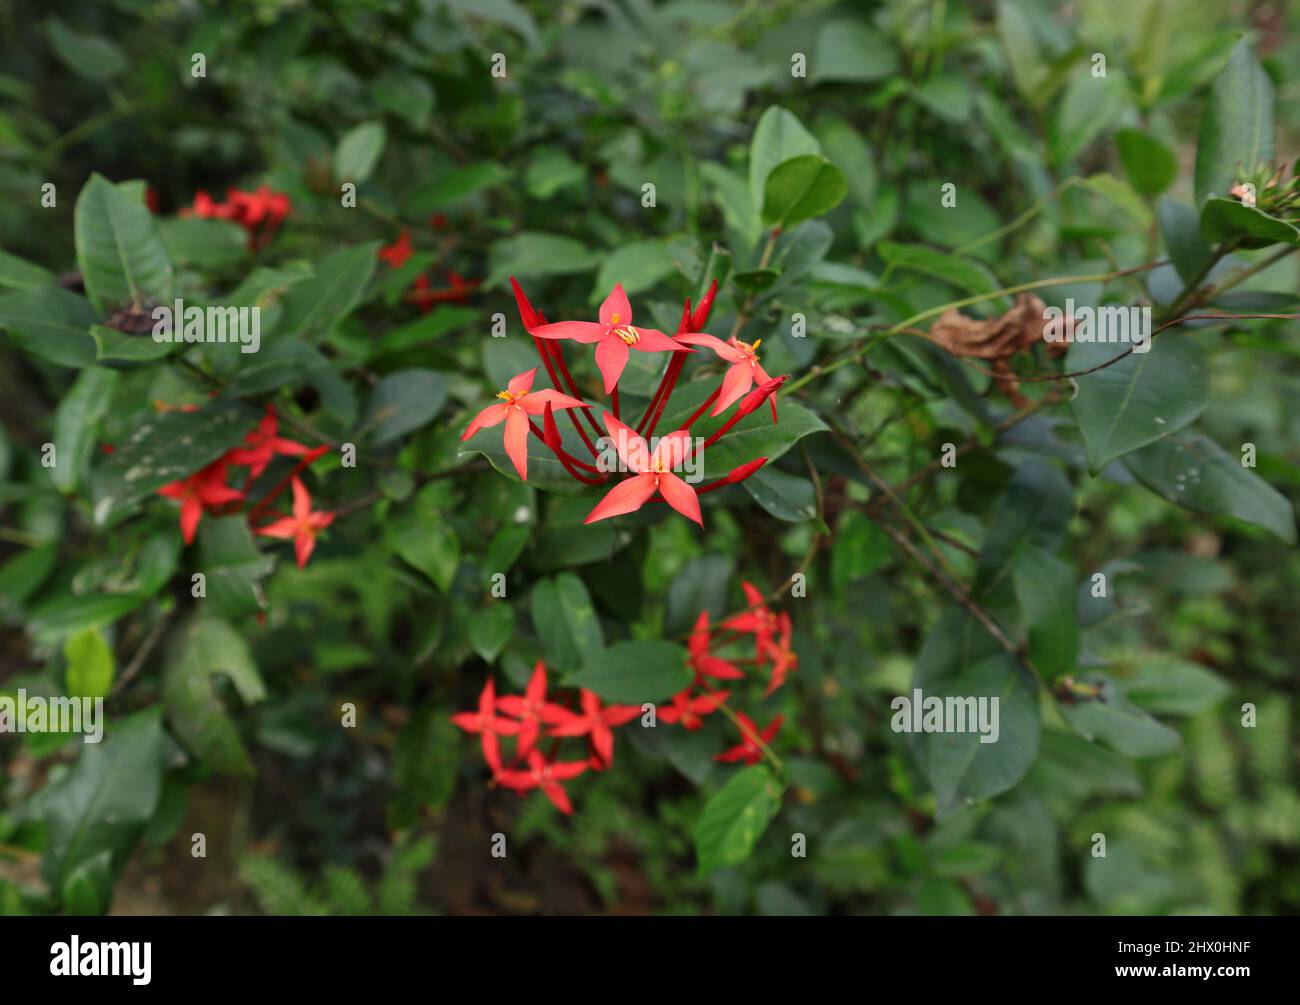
[(760, 394), (739, 474)]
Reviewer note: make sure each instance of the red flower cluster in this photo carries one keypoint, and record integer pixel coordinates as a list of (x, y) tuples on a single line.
[(207, 491), (532, 716), (260, 213), (526, 717), (421, 294), (615, 338)]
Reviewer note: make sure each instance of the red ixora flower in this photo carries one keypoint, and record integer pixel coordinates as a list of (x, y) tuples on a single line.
[(690, 712), (519, 401), (397, 253), (741, 375), (758, 619), (488, 725), (652, 472), (261, 444), (206, 489), (545, 775), (596, 722), (260, 213), (703, 662), (532, 710), (748, 750), (777, 649), (615, 336), (302, 526)]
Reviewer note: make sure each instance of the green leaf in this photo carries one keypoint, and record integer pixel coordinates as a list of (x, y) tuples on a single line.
[(844, 145), (529, 255), (1046, 593), (1237, 125), (203, 649), (702, 585), (90, 665), (779, 137), (638, 265), (861, 547), (120, 253), (1227, 219), (19, 274), (490, 628), (963, 273), (1191, 470), (288, 362), (359, 151), (404, 94), (114, 346), (402, 402), (954, 663), (1150, 165), (1140, 399), (1167, 685), (204, 244), (448, 189), (1180, 226), (849, 50), (565, 618), (632, 673), (421, 535), (1118, 723), (89, 56), (787, 497), (425, 761), (312, 308), (105, 801), (165, 448), (735, 817), (232, 567), (76, 424), (52, 323), (801, 188)]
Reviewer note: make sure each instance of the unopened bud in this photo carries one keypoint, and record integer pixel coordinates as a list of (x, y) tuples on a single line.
[(760, 394), (739, 474)]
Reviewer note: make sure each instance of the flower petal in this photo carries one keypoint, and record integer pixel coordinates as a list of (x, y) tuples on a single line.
[(632, 449), (616, 310), (579, 331), (516, 440), (522, 383), (493, 415), (625, 497), (611, 357), (653, 340), (736, 383), (671, 450), (680, 497), (724, 350), (535, 402)]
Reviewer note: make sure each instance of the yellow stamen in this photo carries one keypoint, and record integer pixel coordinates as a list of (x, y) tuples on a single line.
[(505, 396), (628, 334), (613, 320)]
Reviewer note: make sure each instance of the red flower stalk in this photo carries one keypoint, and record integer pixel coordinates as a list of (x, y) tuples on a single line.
[(704, 663), (596, 722), (488, 725), (748, 751), (302, 526)]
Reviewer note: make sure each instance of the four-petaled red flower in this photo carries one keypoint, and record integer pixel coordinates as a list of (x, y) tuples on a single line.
[(488, 725), (757, 620), (206, 489), (777, 649), (398, 252), (519, 401), (748, 750), (614, 336), (545, 775), (261, 444), (690, 711), (532, 709), (652, 472), (597, 722), (303, 526), (743, 372)]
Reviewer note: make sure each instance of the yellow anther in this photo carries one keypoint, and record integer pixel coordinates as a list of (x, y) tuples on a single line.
[(629, 335), (613, 320), (505, 396)]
